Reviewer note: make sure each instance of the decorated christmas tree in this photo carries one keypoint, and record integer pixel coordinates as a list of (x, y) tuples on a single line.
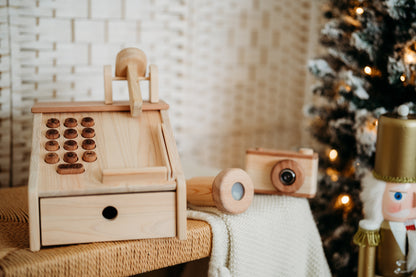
[(369, 68)]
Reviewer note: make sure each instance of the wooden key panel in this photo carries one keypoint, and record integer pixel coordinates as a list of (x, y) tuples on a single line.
[(71, 145), (114, 146), (91, 157)]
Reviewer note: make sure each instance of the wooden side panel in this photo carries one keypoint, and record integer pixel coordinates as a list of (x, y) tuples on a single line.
[(164, 153), (80, 219), (176, 172), (34, 234), (108, 86), (154, 83)]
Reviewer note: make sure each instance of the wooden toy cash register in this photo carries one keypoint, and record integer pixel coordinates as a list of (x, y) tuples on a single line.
[(102, 171)]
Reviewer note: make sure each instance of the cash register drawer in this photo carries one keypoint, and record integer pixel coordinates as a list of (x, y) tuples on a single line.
[(66, 220)]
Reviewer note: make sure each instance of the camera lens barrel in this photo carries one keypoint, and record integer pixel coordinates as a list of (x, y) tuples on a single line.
[(231, 191), (287, 176)]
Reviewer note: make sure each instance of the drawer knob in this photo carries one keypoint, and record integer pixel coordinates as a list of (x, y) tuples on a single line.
[(110, 212)]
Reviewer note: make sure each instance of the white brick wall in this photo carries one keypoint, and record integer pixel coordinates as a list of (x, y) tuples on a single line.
[(89, 31), (54, 29), (71, 9), (106, 9)]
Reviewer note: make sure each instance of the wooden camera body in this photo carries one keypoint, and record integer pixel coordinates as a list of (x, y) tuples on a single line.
[(103, 172), (283, 172)]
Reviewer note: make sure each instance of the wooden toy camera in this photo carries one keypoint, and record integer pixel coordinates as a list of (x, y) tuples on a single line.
[(102, 171), (283, 172)]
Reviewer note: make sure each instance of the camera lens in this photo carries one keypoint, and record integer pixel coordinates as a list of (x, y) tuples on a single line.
[(237, 191), (287, 177)]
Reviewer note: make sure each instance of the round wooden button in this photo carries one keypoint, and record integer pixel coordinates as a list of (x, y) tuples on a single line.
[(70, 157), (51, 158), (70, 145), (52, 134), (88, 133), (89, 156), (87, 122), (70, 122), (52, 145), (70, 133), (53, 123), (88, 144)]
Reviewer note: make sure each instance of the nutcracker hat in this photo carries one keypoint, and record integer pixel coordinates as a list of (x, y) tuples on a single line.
[(395, 159)]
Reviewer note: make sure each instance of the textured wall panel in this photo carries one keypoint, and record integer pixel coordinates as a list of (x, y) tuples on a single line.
[(247, 78), (234, 72), (5, 99)]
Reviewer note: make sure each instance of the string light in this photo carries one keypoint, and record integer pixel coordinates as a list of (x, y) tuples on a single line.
[(344, 202), (409, 56), (333, 154), (345, 199), (333, 174), (368, 70), (347, 88), (371, 125), (343, 87), (359, 11)]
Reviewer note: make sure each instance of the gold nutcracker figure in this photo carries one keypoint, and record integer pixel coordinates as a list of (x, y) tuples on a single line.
[(387, 236)]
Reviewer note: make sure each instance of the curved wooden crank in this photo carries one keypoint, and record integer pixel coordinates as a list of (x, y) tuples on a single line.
[(131, 66), (131, 63)]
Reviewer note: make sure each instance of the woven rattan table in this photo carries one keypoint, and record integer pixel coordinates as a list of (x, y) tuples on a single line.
[(121, 258)]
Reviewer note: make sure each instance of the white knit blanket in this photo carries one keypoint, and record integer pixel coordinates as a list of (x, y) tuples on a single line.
[(276, 236)]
